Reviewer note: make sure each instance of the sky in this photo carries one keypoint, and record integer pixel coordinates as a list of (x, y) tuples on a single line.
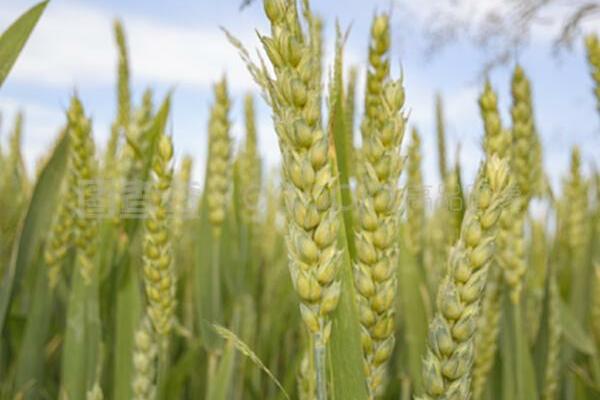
[(179, 45)]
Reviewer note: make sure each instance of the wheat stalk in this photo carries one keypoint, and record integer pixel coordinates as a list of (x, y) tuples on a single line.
[(552, 366), (441, 136), (536, 278), (595, 308)]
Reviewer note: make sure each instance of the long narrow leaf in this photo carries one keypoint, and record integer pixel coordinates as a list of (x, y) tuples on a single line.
[(82, 338), (34, 227), (14, 38), (345, 363)]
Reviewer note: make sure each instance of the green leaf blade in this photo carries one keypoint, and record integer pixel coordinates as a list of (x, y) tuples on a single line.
[(14, 38)]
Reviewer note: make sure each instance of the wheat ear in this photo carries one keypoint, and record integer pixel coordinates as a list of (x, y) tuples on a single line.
[(448, 363)]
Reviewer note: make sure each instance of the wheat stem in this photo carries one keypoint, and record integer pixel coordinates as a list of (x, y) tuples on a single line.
[(552, 366), (320, 368), (441, 136)]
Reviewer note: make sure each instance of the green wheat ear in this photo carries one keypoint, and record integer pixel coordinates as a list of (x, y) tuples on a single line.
[(378, 72), (181, 195), (294, 92), (71, 225), (448, 364), (123, 90), (219, 155), (576, 207), (415, 211), (83, 170), (592, 45), (496, 140), (523, 132), (249, 165), (121, 125), (376, 229), (525, 168), (145, 354), (159, 274), (60, 237)]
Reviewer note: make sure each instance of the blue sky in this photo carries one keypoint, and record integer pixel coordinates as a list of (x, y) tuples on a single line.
[(178, 44)]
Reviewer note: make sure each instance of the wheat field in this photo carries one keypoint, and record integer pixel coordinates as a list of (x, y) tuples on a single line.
[(333, 276)]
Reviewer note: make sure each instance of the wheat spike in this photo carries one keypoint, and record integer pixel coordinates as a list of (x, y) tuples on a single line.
[(145, 355), (415, 198), (592, 45), (376, 230), (159, 275), (219, 164), (448, 363)]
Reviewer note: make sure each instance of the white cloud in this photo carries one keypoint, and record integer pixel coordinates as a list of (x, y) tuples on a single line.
[(71, 45), (163, 53), (74, 46)]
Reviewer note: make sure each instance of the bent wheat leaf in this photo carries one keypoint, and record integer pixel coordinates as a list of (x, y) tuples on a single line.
[(30, 366), (128, 310), (346, 363), (34, 227), (247, 351), (341, 141), (573, 332), (82, 337), (414, 319), (14, 38)]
